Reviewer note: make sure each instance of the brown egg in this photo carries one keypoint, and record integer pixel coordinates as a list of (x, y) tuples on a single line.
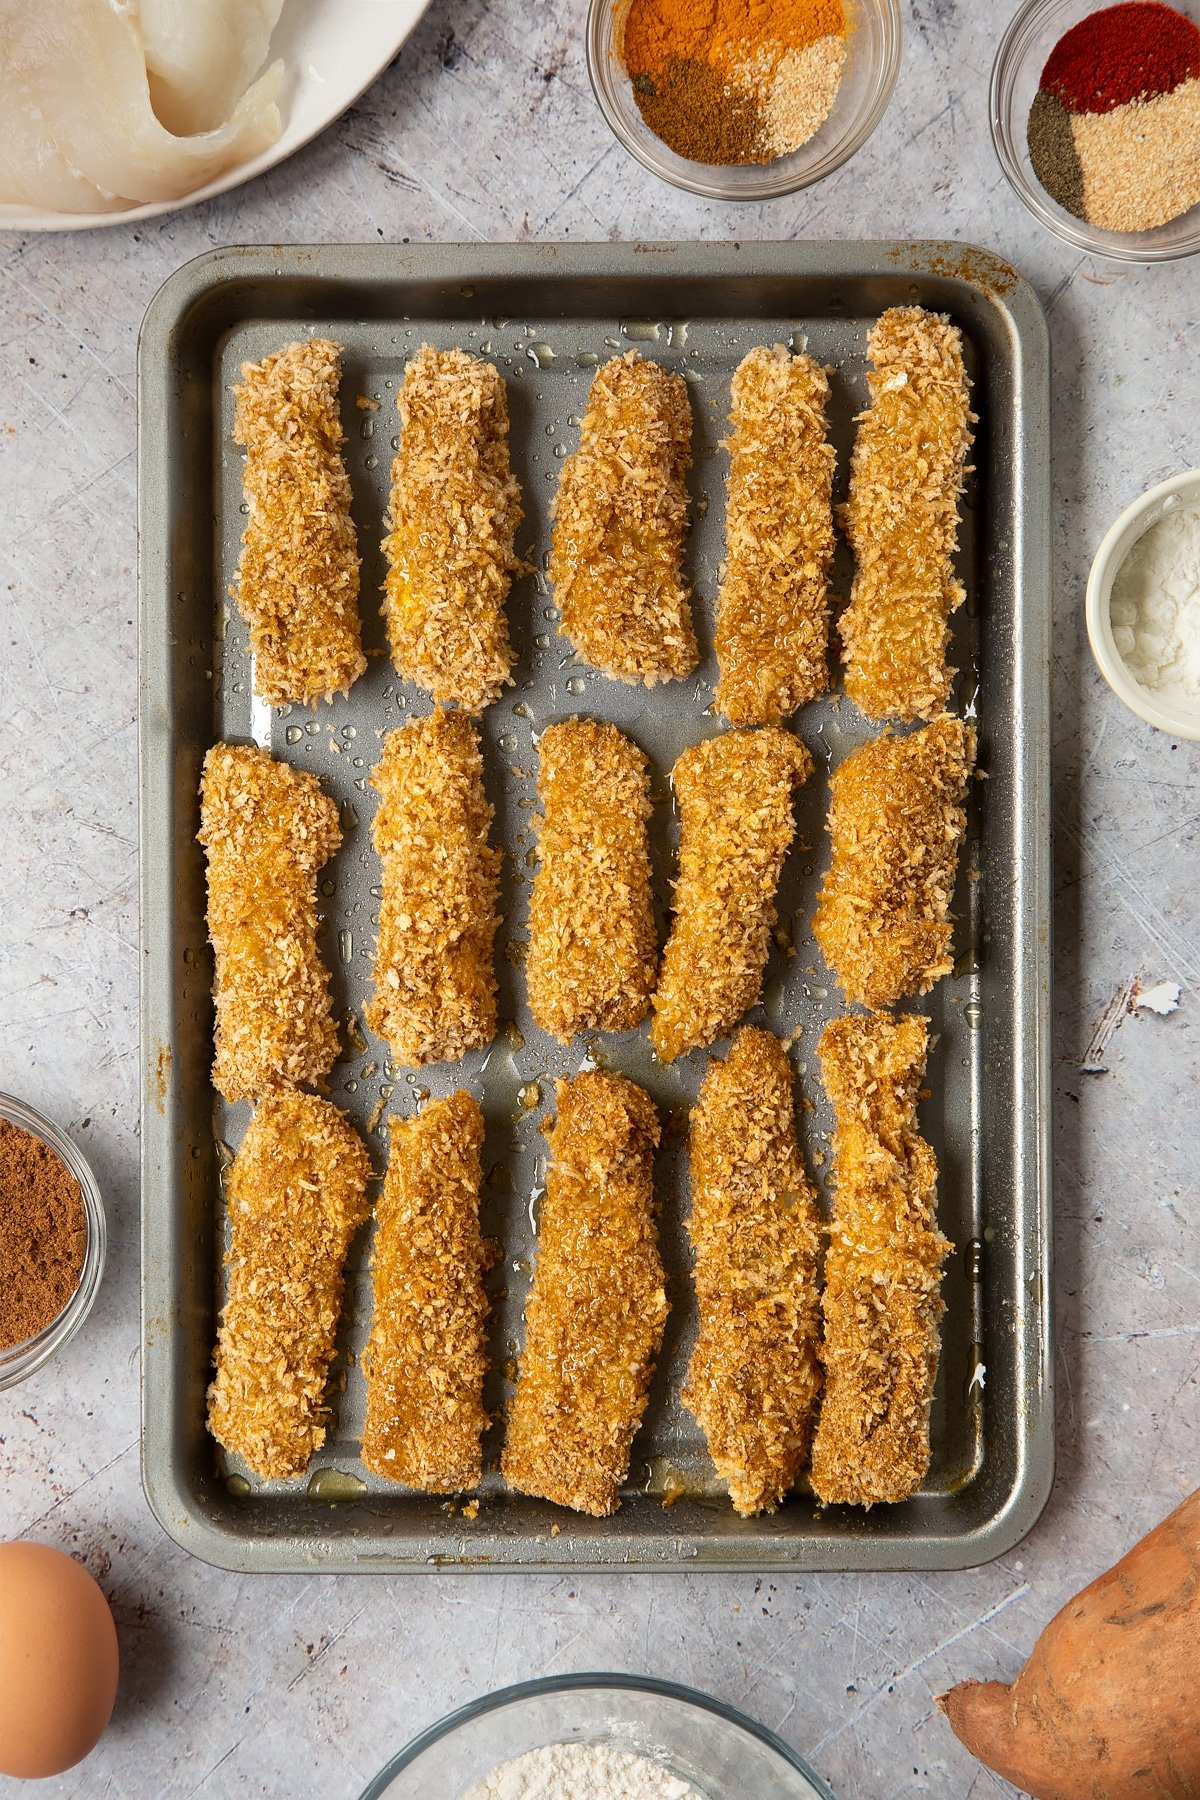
[(58, 1661)]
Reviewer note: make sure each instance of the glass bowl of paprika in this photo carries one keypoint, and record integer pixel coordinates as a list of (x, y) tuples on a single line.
[(740, 101), (1095, 117), (52, 1240)]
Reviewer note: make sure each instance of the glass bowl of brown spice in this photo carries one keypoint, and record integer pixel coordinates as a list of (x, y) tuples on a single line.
[(743, 99), (52, 1240)]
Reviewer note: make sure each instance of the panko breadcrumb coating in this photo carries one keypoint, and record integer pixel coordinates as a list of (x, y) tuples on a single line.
[(454, 511), (883, 1267), (755, 1373), (435, 985), (773, 609), (734, 795), (425, 1359), (906, 479), (593, 948), (268, 830), (297, 582), (598, 1307), (296, 1196), (896, 817), (619, 522)]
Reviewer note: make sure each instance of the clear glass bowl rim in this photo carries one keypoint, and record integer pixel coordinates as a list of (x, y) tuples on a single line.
[(22, 1359), (1009, 53), (707, 182), (566, 1684)]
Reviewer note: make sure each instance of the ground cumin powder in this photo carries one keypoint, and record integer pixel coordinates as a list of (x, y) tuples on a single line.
[(43, 1235), (734, 81)]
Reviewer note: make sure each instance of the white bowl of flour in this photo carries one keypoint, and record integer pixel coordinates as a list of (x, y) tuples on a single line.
[(597, 1737), (1143, 606)]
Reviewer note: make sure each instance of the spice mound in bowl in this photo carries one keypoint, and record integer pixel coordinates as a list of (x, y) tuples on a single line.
[(43, 1235), (1114, 129), (734, 81)]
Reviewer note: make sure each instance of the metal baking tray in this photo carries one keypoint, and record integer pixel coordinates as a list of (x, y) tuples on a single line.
[(546, 315)]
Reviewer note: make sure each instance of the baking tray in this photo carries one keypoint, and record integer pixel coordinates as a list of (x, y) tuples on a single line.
[(546, 315)]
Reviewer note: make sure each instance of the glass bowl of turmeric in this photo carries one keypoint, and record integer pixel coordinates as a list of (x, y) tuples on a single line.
[(743, 99)]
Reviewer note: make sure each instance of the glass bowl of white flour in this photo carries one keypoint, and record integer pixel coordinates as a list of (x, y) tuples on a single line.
[(1143, 606), (597, 1737)]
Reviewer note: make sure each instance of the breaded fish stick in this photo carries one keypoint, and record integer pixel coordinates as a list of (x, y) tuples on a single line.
[(454, 511), (896, 818), (296, 1196), (883, 1267), (425, 1359), (773, 609), (268, 830), (755, 1372), (595, 1318), (593, 947), (619, 520), (906, 479), (297, 582), (734, 795), (435, 986)]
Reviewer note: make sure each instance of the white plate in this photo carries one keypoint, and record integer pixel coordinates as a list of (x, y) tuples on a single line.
[(331, 51)]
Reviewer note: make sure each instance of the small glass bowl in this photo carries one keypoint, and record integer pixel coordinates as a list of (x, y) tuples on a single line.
[(1016, 75), (868, 79), (1123, 534), (723, 1753), (22, 1359)]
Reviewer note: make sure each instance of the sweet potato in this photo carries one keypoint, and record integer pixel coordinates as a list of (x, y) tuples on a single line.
[(1108, 1705)]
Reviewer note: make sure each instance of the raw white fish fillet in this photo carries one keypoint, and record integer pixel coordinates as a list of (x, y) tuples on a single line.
[(78, 127), (201, 56), (33, 172)]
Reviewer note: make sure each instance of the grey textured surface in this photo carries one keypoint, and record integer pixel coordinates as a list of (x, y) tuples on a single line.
[(484, 128)]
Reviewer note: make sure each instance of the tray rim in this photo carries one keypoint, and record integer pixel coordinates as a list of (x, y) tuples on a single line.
[(950, 261)]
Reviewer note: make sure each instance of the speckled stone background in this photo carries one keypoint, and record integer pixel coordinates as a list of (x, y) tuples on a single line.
[(484, 128)]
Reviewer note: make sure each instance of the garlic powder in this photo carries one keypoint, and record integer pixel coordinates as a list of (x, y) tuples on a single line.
[(1155, 606)]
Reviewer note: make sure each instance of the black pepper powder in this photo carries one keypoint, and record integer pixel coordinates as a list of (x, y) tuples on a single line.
[(1052, 152), (692, 110)]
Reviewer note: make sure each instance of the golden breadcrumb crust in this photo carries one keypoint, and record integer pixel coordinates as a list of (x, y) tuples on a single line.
[(734, 794), (268, 830), (906, 479), (883, 1266), (619, 522), (773, 609), (296, 1196), (435, 986), (297, 582), (425, 1359), (593, 947), (454, 511), (598, 1306), (896, 818), (755, 1373)]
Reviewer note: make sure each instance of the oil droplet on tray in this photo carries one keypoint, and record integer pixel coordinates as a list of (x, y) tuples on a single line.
[(336, 1485)]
